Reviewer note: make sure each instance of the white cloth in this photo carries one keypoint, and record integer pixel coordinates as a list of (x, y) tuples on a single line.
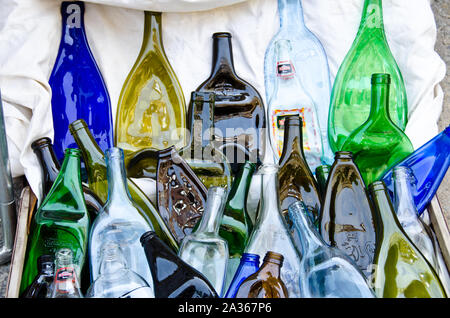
[(31, 33)]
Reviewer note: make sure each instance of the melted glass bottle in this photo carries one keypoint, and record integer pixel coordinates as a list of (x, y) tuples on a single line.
[(78, 89), (308, 55), (98, 182), (347, 216), (65, 283), (151, 107), (172, 277), (121, 221), (40, 287), (270, 232), (204, 249), (378, 143), (290, 98), (322, 173), (239, 117), (418, 231), (248, 265), (266, 282), (429, 165), (351, 94), (180, 193), (115, 279), (400, 270), (325, 272), (296, 180), (62, 220)]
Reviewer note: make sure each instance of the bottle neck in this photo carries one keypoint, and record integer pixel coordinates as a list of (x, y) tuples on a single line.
[(71, 169), (291, 14), (239, 192), (250, 260), (222, 55), (152, 32), (117, 181), (372, 15), (379, 109), (47, 269), (212, 216), (383, 205), (73, 33), (403, 198), (293, 139), (49, 164), (201, 119), (112, 261), (270, 203), (310, 239), (271, 266)]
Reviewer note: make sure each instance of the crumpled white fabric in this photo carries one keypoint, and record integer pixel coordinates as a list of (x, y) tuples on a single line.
[(31, 33)]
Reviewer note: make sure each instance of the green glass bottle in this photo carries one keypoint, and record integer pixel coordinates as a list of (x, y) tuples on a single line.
[(400, 270), (378, 143), (350, 97), (322, 173), (236, 225), (98, 182), (62, 220), (151, 107)]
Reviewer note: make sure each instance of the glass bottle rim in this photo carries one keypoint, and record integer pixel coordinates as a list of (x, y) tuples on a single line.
[(377, 186), (381, 78), (222, 35), (250, 257), (73, 152), (77, 125), (343, 155), (40, 143), (274, 257), (147, 236), (114, 152), (294, 120)]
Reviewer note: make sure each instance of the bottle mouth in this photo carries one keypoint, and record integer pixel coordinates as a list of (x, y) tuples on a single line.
[(293, 120), (377, 186), (77, 125), (403, 172), (73, 152), (222, 35), (114, 152), (274, 257), (40, 143), (250, 257), (45, 259), (343, 155), (381, 78), (147, 236)]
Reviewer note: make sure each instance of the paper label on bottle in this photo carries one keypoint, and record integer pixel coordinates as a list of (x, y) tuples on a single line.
[(285, 69), (65, 273)]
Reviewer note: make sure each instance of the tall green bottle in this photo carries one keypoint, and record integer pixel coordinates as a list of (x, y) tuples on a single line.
[(236, 225), (98, 182), (400, 270), (378, 143), (350, 97), (151, 109), (62, 220)]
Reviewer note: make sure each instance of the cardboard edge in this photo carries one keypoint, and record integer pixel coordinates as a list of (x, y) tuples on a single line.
[(441, 229)]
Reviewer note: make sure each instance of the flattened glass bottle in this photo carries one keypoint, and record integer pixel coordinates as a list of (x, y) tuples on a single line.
[(290, 98), (40, 287), (378, 143), (121, 221), (204, 249), (78, 89), (400, 270), (429, 164), (270, 232), (65, 283), (248, 265), (266, 282), (98, 182), (347, 216), (351, 94), (151, 107), (62, 220), (325, 272), (239, 116), (172, 277)]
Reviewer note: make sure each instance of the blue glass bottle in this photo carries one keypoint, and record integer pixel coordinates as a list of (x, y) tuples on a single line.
[(248, 265), (78, 89), (428, 164), (309, 56)]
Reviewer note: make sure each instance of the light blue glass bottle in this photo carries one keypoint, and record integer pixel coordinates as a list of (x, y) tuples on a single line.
[(325, 272), (248, 265), (78, 89), (121, 221), (429, 165), (309, 56)]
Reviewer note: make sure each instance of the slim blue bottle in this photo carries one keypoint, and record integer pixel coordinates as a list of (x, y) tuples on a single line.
[(309, 56), (428, 164), (249, 265), (78, 89)]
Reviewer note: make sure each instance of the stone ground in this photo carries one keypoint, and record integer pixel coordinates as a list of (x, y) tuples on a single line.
[(441, 9)]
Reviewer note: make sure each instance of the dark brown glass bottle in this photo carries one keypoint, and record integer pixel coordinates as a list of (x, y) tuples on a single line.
[(296, 180), (50, 166), (266, 282), (238, 107), (347, 215), (172, 277), (181, 195), (40, 286)]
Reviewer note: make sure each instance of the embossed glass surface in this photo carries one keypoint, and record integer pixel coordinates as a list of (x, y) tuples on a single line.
[(78, 89)]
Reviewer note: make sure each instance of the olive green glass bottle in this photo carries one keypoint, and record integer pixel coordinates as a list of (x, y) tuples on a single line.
[(350, 97), (62, 220), (400, 270), (322, 173), (151, 107), (378, 143), (98, 182)]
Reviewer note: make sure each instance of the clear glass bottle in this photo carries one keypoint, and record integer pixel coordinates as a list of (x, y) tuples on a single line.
[(290, 98), (65, 284), (270, 232), (204, 249), (115, 279), (351, 94), (121, 221), (248, 265), (309, 56), (40, 287), (325, 272)]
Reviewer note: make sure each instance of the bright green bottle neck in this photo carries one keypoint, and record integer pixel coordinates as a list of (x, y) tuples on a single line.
[(379, 109), (372, 16)]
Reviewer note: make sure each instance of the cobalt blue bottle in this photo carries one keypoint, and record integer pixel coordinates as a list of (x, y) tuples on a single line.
[(428, 164), (249, 265), (78, 89)]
